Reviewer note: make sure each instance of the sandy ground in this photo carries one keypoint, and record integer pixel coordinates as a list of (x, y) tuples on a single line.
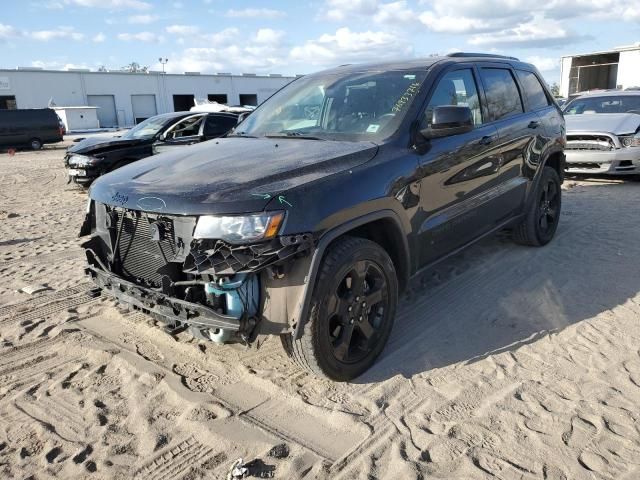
[(506, 362)]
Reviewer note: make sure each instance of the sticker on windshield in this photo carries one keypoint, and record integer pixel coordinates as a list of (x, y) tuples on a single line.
[(408, 95), (373, 128)]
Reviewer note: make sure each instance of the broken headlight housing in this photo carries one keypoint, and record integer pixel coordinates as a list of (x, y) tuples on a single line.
[(82, 160), (630, 140), (241, 228)]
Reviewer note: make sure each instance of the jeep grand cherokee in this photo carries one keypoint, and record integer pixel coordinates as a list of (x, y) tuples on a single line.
[(310, 218)]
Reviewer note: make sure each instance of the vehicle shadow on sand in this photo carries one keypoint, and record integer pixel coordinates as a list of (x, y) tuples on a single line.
[(498, 296)]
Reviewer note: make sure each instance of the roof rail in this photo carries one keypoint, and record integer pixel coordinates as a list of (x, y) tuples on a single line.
[(489, 55)]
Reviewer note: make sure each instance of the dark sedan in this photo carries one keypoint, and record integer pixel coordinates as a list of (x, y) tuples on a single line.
[(95, 156)]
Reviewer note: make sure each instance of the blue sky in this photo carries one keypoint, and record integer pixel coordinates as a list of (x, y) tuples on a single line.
[(289, 37)]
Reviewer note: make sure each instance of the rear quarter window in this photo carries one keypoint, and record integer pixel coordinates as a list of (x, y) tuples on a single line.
[(503, 96), (533, 90)]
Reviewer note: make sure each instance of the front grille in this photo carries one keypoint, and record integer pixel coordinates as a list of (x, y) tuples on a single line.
[(583, 166), (143, 258), (590, 142)]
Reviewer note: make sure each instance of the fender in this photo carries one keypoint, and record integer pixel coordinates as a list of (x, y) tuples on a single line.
[(536, 179), (304, 303)]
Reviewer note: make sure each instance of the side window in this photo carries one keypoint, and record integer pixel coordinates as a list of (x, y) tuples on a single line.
[(456, 88), (219, 125), (503, 97), (533, 90), (188, 127)]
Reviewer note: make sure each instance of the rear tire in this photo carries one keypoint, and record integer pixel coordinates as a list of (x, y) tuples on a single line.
[(542, 217), (353, 306), (35, 144)]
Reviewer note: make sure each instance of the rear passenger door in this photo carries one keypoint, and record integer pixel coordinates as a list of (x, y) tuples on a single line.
[(518, 130)]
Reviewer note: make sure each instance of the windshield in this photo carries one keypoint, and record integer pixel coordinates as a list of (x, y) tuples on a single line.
[(146, 129), (604, 104), (350, 106)]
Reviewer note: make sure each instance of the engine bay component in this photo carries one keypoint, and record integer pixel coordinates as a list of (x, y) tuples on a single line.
[(217, 257)]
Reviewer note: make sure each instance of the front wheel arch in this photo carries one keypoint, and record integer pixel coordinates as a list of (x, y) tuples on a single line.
[(360, 226)]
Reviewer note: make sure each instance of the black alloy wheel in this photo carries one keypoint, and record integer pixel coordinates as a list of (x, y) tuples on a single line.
[(353, 306)]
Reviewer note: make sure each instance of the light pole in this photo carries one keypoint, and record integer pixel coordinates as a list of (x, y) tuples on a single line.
[(163, 61)]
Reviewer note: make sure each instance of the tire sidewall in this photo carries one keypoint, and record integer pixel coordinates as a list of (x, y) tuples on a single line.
[(35, 144), (547, 175), (321, 343)]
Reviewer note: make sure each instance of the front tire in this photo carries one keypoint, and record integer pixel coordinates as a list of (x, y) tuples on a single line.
[(541, 220), (35, 144), (353, 306)]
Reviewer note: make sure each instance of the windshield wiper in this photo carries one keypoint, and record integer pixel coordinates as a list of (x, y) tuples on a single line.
[(240, 134), (299, 135)]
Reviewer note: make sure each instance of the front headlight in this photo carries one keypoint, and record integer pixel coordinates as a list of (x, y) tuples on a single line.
[(241, 228), (630, 140), (82, 160)]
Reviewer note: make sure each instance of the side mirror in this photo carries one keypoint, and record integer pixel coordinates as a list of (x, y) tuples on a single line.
[(162, 137), (449, 120)]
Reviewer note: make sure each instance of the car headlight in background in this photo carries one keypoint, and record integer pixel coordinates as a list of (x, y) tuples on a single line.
[(630, 140), (82, 160), (241, 228)]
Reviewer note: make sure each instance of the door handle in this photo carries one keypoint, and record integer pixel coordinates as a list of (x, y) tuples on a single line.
[(487, 140), (533, 124)]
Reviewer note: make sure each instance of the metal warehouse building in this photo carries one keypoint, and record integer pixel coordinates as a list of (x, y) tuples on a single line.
[(617, 68), (125, 99)]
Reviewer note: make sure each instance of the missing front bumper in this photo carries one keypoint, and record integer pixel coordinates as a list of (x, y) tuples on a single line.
[(173, 310)]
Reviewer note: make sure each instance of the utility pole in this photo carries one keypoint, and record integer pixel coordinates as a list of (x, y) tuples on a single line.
[(163, 61)]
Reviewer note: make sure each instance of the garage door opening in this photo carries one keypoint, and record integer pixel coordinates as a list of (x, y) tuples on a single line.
[(106, 109), (183, 103), (144, 106), (217, 97), (250, 99), (8, 102)]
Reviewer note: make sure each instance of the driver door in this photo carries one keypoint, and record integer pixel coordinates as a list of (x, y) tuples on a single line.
[(459, 173)]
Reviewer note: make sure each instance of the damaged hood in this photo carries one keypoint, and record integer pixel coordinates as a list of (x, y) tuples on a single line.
[(227, 175), (616, 123), (96, 144)]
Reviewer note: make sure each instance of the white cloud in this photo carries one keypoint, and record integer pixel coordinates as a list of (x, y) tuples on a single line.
[(346, 46), (236, 51), (111, 4), (67, 33), (144, 19), (8, 31), (56, 65), (255, 13), (341, 10), (452, 23), (394, 13), (538, 32), (544, 64), (183, 29), (99, 38), (141, 37)]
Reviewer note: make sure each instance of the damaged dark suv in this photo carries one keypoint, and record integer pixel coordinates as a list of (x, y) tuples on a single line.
[(311, 217)]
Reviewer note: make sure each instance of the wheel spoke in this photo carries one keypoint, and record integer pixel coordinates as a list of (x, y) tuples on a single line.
[(366, 329), (375, 297), (342, 344), (552, 192), (544, 224), (359, 273), (545, 192), (336, 306), (552, 213)]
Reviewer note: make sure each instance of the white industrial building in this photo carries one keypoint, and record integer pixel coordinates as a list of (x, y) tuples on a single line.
[(616, 68), (124, 99)]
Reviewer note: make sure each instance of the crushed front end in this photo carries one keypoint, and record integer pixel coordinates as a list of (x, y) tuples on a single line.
[(164, 265)]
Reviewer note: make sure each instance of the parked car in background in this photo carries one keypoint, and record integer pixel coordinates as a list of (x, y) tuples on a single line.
[(196, 128), (309, 219), (30, 127), (97, 155), (603, 133)]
